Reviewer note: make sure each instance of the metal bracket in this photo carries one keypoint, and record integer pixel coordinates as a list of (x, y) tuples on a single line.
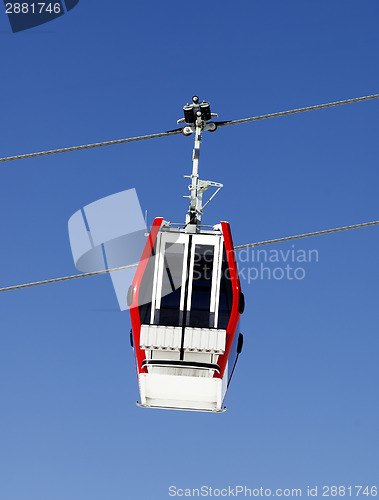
[(190, 129), (203, 185)]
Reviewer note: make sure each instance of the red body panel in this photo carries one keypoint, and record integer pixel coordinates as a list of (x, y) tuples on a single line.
[(235, 315), (134, 311)]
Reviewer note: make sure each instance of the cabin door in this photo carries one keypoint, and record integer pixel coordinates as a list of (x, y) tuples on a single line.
[(204, 281), (187, 280), (170, 279)]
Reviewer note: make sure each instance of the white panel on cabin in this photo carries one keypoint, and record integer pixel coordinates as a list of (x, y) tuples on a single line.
[(160, 337), (166, 354), (170, 337), (204, 340), (181, 392), (199, 357)]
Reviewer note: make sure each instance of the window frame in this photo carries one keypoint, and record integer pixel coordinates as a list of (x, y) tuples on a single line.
[(215, 241), (167, 237)]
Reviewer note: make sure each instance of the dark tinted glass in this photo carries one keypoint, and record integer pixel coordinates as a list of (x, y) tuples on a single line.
[(146, 290), (169, 313), (226, 295), (201, 287)]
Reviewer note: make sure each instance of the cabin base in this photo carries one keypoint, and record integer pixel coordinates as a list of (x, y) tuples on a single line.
[(181, 392), (182, 409)]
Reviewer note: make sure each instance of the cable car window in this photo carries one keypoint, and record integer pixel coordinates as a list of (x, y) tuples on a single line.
[(169, 312), (200, 315), (226, 294), (146, 290)]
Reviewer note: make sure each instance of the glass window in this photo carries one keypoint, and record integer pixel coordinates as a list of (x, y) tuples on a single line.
[(201, 287), (146, 290), (226, 295), (169, 313)]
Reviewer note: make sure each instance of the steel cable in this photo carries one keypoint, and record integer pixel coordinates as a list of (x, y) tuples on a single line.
[(179, 131), (317, 233), (55, 280), (299, 110), (238, 247), (89, 146)]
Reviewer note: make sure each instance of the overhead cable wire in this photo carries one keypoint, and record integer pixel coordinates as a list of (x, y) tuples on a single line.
[(89, 146), (299, 110), (299, 236), (65, 278), (239, 247), (179, 131)]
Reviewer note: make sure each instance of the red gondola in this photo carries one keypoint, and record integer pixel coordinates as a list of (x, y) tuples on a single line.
[(186, 302)]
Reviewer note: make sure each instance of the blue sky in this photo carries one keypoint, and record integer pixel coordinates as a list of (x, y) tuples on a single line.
[(303, 406)]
